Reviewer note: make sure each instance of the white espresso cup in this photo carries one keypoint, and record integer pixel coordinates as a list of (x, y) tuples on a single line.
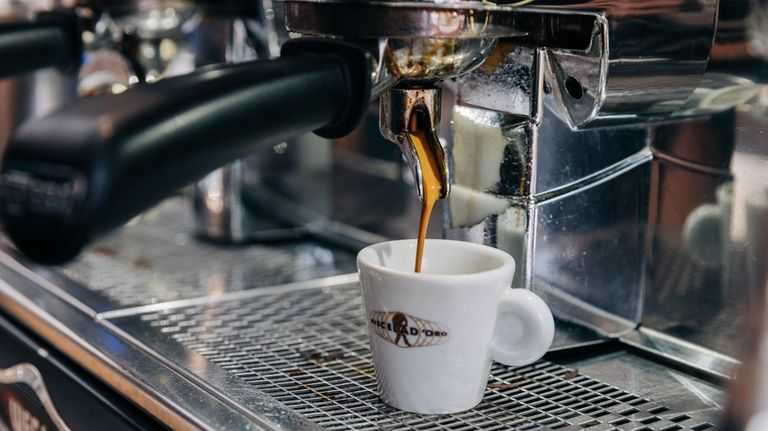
[(434, 334)]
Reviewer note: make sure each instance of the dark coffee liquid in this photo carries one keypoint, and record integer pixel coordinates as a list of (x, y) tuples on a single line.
[(423, 142)]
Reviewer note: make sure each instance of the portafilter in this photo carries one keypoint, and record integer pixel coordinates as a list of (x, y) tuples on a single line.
[(74, 175)]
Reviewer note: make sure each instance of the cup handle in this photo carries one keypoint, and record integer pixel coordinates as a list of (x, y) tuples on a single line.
[(524, 328)]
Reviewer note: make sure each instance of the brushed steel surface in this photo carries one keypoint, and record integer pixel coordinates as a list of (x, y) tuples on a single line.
[(692, 355)]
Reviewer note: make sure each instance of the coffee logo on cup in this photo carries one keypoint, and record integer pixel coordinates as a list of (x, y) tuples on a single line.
[(404, 330)]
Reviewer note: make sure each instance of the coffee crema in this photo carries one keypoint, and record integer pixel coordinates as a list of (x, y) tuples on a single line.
[(425, 143)]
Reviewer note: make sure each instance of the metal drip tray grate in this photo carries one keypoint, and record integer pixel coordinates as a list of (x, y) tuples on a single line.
[(308, 349), (157, 261)]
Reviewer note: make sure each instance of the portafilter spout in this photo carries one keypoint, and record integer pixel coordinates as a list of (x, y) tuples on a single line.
[(415, 44), (398, 108)]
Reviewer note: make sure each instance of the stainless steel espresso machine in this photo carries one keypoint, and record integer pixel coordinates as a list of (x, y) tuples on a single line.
[(615, 149)]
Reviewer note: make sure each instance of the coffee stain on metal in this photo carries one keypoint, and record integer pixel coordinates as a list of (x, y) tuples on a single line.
[(320, 393), (502, 386), (105, 251), (320, 358), (143, 264), (572, 374)]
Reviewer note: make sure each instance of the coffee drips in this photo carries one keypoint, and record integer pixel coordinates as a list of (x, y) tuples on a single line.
[(433, 182)]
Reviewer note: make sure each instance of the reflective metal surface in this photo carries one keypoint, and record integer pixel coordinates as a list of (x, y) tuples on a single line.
[(571, 204), (645, 59), (132, 6), (661, 244), (306, 347), (326, 203), (294, 356), (707, 255), (218, 207), (398, 106), (702, 400), (414, 19), (156, 259), (629, 60), (429, 41), (598, 144), (616, 150), (667, 244), (56, 318), (35, 94), (121, 50), (130, 43), (27, 374), (216, 199)]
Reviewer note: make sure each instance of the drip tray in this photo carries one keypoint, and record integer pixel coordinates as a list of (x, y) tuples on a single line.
[(306, 347)]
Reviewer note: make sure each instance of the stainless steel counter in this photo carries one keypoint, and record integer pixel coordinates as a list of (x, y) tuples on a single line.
[(271, 336)]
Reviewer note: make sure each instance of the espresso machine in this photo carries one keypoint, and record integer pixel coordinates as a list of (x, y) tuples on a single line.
[(613, 148)]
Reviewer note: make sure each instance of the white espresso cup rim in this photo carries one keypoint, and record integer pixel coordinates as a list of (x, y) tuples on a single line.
[(504, 259)]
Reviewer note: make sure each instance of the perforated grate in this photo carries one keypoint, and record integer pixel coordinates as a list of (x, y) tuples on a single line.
[(308, 349), (158, 260)]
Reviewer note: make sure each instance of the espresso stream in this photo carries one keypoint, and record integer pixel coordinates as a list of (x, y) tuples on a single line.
[(432, 181)]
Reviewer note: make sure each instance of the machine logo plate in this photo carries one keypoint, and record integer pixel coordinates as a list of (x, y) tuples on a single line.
[(25, 404)]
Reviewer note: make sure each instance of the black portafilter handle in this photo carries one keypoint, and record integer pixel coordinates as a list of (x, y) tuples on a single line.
[(76, 174), (52, 39)]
